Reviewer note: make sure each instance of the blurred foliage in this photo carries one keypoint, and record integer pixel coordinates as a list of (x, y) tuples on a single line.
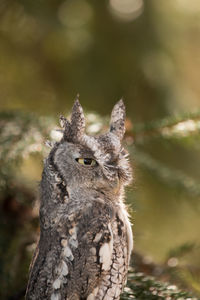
[(143, 287), (148, 53)]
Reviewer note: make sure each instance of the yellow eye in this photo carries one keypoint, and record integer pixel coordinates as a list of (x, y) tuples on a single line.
[(86, 161)]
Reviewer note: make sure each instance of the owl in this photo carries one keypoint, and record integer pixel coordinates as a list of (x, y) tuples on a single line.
[(85, 234)]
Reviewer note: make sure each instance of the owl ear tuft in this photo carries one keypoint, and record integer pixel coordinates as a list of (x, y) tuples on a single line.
[(67, 128), (117, 122), (77, 120)]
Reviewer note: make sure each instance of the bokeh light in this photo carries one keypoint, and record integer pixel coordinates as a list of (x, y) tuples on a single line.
[(126, 10), (75, 14)]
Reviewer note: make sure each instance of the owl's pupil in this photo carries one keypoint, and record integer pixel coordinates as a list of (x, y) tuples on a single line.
[(87, 161)]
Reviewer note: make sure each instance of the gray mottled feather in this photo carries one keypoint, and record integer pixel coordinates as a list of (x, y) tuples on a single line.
[(117, 123), (77, 120), (85, 239)]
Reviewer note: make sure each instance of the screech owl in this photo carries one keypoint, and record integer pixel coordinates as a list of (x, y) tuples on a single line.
[(85, 234)]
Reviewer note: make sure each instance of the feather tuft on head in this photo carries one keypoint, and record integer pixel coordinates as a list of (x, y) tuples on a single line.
[(117, 122), (74, 129)]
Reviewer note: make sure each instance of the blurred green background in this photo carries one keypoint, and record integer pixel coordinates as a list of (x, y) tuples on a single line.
[(149, 53)]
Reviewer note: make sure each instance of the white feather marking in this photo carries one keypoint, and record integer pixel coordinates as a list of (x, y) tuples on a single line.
[(97, 237), (64, 242), (64, 270), (114, 278), (123, 215), (107, 297), (57, 284), (73, 243), (72, 230), (111, 291), (66, 198), (55, 296), (58, 179), (117, 291), (130, 238), (115, 266), (106, 252), (73, 239), (68, 253), (92, 296)]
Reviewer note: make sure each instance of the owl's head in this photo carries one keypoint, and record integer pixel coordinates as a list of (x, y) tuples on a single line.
[(94, 162)]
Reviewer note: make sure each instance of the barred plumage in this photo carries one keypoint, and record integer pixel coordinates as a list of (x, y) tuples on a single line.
[(86, 238)]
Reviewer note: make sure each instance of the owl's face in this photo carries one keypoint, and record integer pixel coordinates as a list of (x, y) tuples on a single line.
[(93, 162)]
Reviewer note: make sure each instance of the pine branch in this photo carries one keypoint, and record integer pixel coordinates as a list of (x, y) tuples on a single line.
[(142, 287), (21, 134), (166, 122), (169, 176), (177, 127)]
